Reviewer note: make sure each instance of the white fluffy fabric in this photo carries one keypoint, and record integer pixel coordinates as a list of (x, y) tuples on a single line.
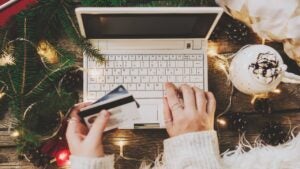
[(285, 156)]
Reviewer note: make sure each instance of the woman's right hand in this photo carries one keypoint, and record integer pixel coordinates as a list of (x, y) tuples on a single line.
[(188, 109)]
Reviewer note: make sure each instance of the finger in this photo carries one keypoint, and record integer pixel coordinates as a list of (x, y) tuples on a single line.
[(167, 113), (71, 134), (211, 104), (172, 96), (188, 97), (200, 100), (97, 129), (76, 109)]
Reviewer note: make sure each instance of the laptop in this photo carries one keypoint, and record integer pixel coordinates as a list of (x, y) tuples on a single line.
[(145, 47)]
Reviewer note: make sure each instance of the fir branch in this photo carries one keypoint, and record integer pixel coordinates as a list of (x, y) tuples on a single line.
[(47, 81)]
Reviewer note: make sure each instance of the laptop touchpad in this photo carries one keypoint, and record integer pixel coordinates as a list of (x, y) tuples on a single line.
[(148, 114)]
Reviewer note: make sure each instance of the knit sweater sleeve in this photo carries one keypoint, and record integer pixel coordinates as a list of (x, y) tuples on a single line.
[(192, 151), (78, 162)]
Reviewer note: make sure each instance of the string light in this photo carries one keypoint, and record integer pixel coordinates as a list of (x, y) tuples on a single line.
[(6, 59), (222, 121), (277, 91), (2, 94), (63, 158), (15, 134), (121, 144)]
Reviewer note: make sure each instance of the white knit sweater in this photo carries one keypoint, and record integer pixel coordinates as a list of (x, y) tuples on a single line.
[(200, 150)]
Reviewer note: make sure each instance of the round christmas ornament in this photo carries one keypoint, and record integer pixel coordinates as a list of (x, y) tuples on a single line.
[(47, 52), (237, 32), (73, 80), (274, 134), (237, 122)]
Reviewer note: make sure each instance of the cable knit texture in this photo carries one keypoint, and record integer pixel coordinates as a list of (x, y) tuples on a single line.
[(106, 162), (192, 151)]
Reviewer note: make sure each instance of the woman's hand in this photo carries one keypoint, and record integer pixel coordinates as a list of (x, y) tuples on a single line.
[(188, 109), (81, 140)]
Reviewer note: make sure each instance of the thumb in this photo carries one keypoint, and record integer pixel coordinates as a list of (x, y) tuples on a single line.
[(98, 126)]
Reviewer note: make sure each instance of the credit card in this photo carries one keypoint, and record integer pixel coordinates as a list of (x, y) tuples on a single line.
[(118, 91), (123, 108)]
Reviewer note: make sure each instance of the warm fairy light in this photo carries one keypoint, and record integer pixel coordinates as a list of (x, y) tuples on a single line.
[(222, 122), (121, 144), (258, 96), (220, 65), (278, 91), (7, 59), (263, 41), (212, 50), (15, 134), (2, 94)]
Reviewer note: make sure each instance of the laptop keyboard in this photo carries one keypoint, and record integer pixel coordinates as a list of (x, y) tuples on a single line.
[(143, 75)]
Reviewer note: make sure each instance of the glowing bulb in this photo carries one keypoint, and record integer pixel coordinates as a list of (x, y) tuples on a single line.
[(15, 134), (278, 91), (1, 95), (62, 158), (222, 122), (121, 144)]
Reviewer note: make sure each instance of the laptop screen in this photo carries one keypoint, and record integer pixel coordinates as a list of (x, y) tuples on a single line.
[(100, 26)]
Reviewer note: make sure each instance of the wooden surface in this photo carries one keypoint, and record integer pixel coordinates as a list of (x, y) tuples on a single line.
[(147, 144)]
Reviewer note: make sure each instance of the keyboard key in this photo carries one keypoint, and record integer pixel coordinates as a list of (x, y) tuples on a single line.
[(178, 71), (118, 64), (145, 64), (159, 57), (195, 79), (118, 79), (158, 86), (131, 57), (101, 79), (109, 79), (104, 87), (132, 86), (198, 64), (154, 79), (93, 87), (188, 64), (199, 72), (153, 64), (134, 71), (139, 57), (152, 57), (125, 72), (92, 79), (171, 64), (146, 57), (147, 94), (162, 64), (171, 78), (108, 72), (151, 71), (136, 64), (145, 79), (127, 64), (111, 57), (92, 95), (173, 57), (117, 72), (125, 57), (143, 71), (141, 86), (136, 79), (162, 79), (169, 71), (179, 79), (166, 57), (118, 57), (161, 71), (149, 86), (128, 79)]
